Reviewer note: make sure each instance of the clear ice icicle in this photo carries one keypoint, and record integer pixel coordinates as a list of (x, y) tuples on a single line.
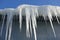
[(20, 17), (34, 15), (10, 30), (34, 29), (30, 27), (9, 18), (50, 19), (34, 23), (7, 27), (52, 28), (27, 21), (3, 24), (55, 13), (56, 16)]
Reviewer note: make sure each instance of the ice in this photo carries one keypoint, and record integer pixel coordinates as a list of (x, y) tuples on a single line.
[(50, 19), (31, 13), (34, 23), (30, 27), (35, 14), (27, 21), (20, 17), (10, 30), (31, 16), (56, 14), (9, 25), (2, 24)]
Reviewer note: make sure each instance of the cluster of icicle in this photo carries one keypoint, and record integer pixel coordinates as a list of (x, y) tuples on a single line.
[(31, 12), (9, 13)]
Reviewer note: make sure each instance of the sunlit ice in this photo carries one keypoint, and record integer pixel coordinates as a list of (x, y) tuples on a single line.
[(30, 12)]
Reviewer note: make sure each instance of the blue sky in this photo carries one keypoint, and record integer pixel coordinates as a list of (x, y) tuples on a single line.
[(15, 3)]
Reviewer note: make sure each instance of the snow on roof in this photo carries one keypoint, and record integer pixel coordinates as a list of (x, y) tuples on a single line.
[(42, 10)]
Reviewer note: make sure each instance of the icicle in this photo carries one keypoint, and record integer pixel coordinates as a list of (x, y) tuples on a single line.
[(50, 17), (36, 11), (55, 12), (9, 18), (30, 27), (10, 29), (27, 21), (34, 30), (52, 28), (20, 17), (33, 23), (7, 28), (3, 24)]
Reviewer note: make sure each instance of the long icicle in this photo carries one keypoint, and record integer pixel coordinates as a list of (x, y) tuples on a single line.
[(56, 15), (50, 17), (34, 30), (3, 24), (27, 21), (33, 23), (20, 17), (30, 27), (35, 12), (53, 28), (10, 29), (9, 18), (7, 28)]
